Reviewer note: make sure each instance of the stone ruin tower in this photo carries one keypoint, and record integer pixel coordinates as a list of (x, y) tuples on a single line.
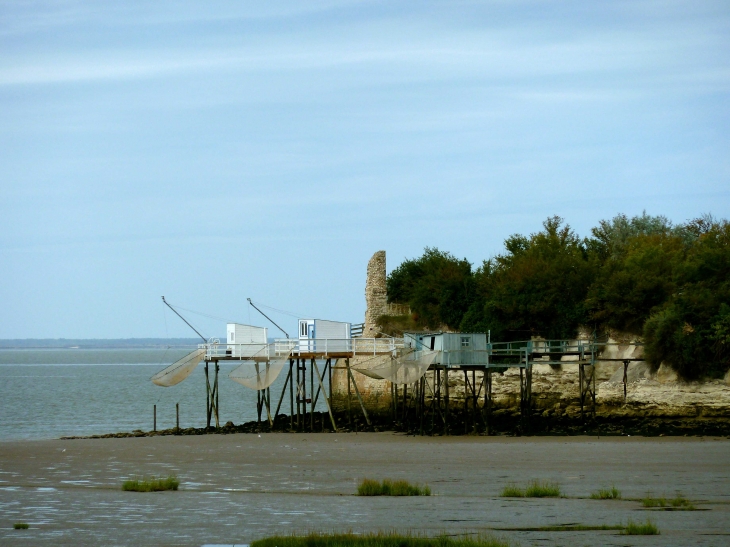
[(376, 294)]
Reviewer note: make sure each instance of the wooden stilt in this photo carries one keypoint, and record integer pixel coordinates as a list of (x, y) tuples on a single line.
[(215, 395), (446, 399), (299, 395), (329, 376), (207, 396), (349, 397), (321, 385), (283, 392), (267, 400), (258, 410), (466, 402), (357, 392), (488, 400), (404, 421), (291, 394), (311, 395)]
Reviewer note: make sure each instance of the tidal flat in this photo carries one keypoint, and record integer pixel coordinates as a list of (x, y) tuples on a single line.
[(235, 489)]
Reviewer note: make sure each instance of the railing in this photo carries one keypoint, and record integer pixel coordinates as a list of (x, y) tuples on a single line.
[(217, 350), (327, 346), (522, 350), (543, 346)]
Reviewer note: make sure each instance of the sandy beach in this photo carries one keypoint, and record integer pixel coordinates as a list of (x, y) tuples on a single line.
[(238, 488)]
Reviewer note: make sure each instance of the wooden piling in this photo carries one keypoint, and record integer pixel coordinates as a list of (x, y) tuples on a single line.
[(446, 399)]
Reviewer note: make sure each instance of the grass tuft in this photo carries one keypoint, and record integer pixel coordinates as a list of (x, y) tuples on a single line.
[(542, 489), (21, 526), (535, 489), (607, 494), (151, 485), (638, 529), (370, 487), (679, 502), (512, 491), (378, 540)]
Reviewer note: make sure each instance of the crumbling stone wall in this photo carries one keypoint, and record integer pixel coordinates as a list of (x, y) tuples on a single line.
[(376, 294), (376, 300)]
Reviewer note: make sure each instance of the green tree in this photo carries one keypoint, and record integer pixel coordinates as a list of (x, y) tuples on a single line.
[(691, 331), (634, 283), (437, 286), (537, 287)]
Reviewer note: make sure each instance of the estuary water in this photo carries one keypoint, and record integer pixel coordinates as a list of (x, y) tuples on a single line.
[(50, 393)]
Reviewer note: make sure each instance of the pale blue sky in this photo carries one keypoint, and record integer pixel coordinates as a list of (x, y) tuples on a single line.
[(213, 151)]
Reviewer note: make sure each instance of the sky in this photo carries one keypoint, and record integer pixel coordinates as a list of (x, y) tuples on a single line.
[(212, 152)]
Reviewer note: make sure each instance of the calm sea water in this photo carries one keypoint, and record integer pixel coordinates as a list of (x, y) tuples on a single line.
[(51, 393)]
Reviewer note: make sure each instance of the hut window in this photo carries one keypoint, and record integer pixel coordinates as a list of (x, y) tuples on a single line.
[(233, 337), (465, 342)]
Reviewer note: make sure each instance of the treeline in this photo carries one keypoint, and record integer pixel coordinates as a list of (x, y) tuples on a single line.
[(669, 284)]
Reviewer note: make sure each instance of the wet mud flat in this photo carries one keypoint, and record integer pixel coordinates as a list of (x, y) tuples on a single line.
[(240, 487)]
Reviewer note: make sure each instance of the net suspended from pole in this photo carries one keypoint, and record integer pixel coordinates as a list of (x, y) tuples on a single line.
[(405, 369), (179, 370), (259, 374)]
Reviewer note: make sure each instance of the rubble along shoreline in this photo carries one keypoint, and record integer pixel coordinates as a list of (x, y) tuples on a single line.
[(505, 424)]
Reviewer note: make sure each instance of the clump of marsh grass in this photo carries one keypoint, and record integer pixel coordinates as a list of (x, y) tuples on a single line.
[(378, 540), (370, 487), (512, 491), (638, 529), (612, 493), (21, 526), (534, 489), (542, 489), (679, 502), (152, 484)]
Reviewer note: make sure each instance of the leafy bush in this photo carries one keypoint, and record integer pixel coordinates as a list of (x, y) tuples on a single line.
[(369, 487), (151, 485)]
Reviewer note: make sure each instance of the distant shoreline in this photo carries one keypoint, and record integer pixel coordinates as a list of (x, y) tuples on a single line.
[(96, 343)]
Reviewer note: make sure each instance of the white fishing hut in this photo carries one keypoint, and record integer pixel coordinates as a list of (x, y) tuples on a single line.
[(455, 348), (320, 335), (245, 340)]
